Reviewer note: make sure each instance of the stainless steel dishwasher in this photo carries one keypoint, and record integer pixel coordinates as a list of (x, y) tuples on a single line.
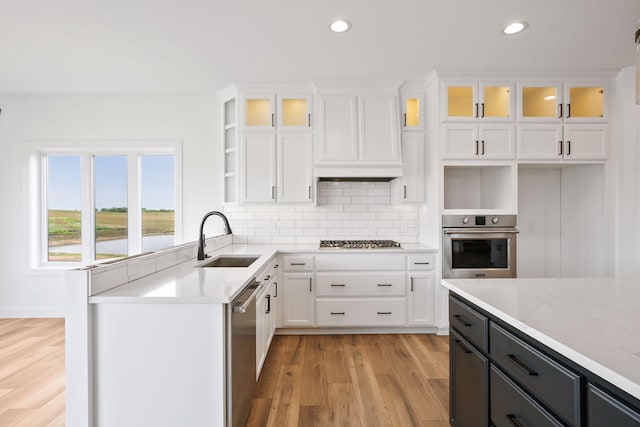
[(241, 354)]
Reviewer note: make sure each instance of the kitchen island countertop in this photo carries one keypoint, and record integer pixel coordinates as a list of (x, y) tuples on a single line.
[(594, 322)]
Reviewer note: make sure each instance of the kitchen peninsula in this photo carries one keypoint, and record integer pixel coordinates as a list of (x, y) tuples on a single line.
[(568, 349), (150, 334)]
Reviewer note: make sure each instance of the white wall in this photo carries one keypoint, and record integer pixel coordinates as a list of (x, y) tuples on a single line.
[(25, 119), (627, 141)]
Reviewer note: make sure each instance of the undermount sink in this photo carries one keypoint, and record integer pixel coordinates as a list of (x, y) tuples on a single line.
[(231, 261)]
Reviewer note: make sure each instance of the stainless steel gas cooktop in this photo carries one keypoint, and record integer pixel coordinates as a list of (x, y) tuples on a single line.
[(359, 244)]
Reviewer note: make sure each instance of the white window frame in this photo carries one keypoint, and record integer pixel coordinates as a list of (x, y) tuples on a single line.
[(87, 150)]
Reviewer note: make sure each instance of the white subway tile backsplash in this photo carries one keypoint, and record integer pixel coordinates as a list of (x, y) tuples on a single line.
[(345, 210)]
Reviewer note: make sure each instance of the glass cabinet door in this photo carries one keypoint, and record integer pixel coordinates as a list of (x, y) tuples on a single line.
[(259, 112), (294, 111), (412, 112), (461, 101), (496, 101), (540, 102), (585, 102)]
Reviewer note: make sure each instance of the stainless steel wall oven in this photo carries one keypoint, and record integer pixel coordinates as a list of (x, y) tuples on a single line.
[(479, 246)]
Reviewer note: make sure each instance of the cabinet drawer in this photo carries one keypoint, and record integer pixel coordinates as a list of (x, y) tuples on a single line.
[(511, 406), (553, 384), (360, 312), (360, 284), (360, 262), (420, 262), (469, 323), (298, 263), (604, 410)]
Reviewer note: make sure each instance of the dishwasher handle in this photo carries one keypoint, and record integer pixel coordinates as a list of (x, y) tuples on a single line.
[(240, 306)]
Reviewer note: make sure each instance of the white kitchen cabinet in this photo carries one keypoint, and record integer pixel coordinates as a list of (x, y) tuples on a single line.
[(294, 171), (470, 141), (298, 300), (258, 167), (562, 142), (409, 188), (276, 172), (487, 101), (361, 129), (563, 102), (265, 324), (420, 298), (412, 105), (270, 111)]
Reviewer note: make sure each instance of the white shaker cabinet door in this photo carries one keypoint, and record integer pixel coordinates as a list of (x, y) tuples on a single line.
[(460, 141), (497, 142), (338, 128), (379, 134), (259, 167), (585, 142), (420, 299), (298, 300), (294, 167), (540, 142)]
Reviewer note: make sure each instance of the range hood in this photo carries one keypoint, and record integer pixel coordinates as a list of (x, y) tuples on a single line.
[(352, 172)]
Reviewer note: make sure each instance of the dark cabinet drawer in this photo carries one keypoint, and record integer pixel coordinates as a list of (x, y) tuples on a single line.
[(511, 406), (469, 384), (551, 383), (472, 325), (605, 411)]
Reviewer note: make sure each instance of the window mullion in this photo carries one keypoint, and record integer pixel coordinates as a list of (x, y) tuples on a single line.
[(133, 200), (88, 236)]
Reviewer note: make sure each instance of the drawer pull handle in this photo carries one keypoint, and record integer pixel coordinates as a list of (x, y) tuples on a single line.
[(276, 266), (267, 278), (514, 421), (463, 347), (341, 285), (384, 312), (298, 263), (420, 263), (334, 313), (462, 320), (385, 284), (520, 364)]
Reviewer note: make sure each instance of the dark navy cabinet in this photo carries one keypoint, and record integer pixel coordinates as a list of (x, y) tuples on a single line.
[(502, 377)]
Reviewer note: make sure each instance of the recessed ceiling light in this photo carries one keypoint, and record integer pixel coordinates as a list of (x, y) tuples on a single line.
[(549, 98), (514, 27), (340, 26)]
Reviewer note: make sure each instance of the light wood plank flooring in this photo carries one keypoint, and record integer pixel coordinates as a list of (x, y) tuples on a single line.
[(316, 380), (32, 372), (354, 380)]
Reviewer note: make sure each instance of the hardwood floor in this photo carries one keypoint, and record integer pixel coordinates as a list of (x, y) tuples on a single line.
[(32, 372), (314, 380), (354, 380)]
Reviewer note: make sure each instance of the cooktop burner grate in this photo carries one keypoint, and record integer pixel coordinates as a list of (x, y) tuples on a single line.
[(359, 244)]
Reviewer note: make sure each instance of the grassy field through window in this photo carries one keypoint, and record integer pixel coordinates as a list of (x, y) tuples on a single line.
[(65, 226)]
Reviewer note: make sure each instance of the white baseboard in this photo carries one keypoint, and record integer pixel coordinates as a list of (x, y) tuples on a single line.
[(26, 312)]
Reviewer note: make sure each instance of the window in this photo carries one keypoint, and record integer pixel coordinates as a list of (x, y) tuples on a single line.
[(96, 205)]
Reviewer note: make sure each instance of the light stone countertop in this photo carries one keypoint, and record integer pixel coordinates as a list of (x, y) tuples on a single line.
[(593, 322), (187, 283)]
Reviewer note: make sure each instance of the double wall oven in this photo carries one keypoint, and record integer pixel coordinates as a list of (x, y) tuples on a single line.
[(479, 246)]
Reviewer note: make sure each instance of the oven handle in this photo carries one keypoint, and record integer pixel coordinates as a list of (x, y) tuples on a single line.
[(483, 231)]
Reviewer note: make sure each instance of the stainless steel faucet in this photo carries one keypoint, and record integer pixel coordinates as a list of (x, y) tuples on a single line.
[(201, 243)]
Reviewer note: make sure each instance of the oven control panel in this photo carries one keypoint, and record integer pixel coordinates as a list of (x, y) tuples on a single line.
[(475, 221)]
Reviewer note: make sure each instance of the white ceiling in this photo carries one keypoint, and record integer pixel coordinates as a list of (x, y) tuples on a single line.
[(170, 46)]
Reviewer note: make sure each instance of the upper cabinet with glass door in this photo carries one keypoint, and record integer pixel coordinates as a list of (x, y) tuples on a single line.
[(478, 101), (412, 112), (276, 112), (557, 102)]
